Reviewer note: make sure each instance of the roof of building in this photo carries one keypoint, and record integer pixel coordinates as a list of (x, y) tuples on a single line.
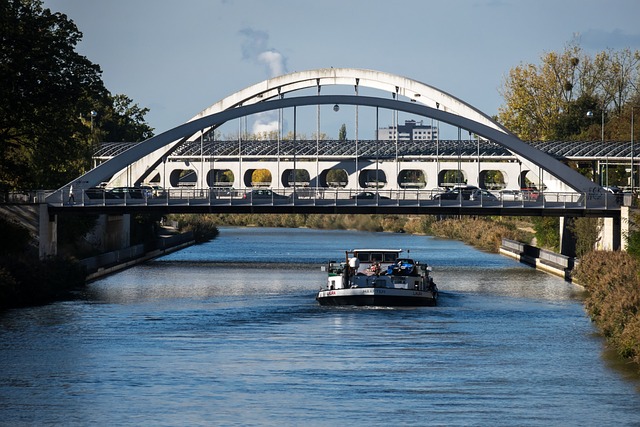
[(382, 149)]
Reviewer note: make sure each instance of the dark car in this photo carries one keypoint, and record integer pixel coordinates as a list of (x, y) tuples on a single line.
[(456, 193), (127, 192), (263, 194), (368, 195), (614, 189), (99, 193)]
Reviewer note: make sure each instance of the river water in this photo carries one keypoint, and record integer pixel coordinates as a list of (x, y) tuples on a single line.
[(229, 333)]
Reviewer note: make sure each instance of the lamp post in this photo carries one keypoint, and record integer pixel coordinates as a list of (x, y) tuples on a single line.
[(93, 114), (590, 116), (632, 176)]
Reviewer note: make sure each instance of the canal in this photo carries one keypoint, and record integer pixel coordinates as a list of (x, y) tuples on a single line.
[(229, 333)]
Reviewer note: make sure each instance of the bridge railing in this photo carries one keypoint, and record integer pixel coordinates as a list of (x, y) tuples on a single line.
[(311, 196)]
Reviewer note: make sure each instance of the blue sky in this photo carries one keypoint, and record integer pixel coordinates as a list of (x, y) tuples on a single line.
[(179, 57)]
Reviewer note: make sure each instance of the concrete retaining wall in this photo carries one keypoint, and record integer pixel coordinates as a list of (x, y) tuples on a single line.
[(111, 262), (550, 262)]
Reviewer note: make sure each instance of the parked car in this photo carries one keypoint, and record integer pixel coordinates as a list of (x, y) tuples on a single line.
[(457, 192), (99, 193), (263, 194), (147, 191), (509, 195), (368, 195), (613, 189), (617, 191), (152, 190), (127, 192), (482, 194), (530, 193)]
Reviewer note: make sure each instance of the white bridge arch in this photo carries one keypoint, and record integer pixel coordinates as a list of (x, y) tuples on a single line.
[(423, 100)]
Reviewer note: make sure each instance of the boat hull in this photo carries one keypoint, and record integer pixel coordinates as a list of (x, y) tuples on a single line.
[(377, 297)]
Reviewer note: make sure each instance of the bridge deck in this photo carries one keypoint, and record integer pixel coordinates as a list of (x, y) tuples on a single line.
[(307, 200)]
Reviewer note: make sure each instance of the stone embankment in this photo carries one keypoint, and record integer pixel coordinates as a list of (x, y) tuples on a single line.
[(114, 261), (550, 262)]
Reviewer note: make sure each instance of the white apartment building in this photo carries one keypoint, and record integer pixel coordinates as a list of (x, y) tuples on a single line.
[(410, 131)]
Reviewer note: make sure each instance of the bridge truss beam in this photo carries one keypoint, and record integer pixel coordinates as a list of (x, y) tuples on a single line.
[(555, 169)]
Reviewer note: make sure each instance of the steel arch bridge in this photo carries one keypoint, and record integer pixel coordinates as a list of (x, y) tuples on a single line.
[(570, 193)]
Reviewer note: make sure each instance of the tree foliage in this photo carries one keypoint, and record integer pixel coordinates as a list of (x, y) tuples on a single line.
[(124, 121), (45, 89), (587, 231), (551, 100), (547, 232), (47, 93), (342, 133), (261, 175)]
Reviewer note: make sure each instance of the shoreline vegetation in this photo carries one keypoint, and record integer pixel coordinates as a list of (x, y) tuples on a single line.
[(485, 234)]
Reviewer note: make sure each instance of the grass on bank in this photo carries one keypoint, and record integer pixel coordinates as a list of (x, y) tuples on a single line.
[(612, 287), (482, 233)]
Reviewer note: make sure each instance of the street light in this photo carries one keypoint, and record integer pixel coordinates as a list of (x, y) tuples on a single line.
[(632, 183), (590, 115), (93, 114)]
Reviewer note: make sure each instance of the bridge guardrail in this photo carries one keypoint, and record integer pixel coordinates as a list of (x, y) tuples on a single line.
[(308, 196)]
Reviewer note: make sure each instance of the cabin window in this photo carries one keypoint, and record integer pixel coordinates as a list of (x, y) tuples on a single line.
[(376, 257), (390, 256), (363, 256)]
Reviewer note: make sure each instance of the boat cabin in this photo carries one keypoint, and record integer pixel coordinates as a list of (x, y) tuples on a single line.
[(377, 268)]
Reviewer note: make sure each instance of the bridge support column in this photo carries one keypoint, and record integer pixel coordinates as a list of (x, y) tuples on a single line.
[(613, 229), (48, 233), (117, 232), (126, 231), (625, 226), (567, 239)]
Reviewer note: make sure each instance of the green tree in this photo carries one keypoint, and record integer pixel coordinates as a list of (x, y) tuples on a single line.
[(124, 121), (536, 95), (342, 133), (47, 94), (46, 88), (261, 175), (336, 176), (547, 232), (550, 100), (586, 231)]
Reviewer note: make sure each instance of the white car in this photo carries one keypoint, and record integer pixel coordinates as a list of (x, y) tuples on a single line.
[(482, 194), (510, 195)]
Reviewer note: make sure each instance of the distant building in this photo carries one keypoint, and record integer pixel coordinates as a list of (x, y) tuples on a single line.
[(410, 131)]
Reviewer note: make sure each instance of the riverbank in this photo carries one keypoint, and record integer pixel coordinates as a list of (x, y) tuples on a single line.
[(613, 299), (111, 262), (540, 259), (26, 280)]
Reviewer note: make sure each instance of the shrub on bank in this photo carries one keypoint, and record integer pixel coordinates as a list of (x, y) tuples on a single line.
[(613, 298), (203, 227), (322, 222), (485, 234), (482, 233), (28, 281)]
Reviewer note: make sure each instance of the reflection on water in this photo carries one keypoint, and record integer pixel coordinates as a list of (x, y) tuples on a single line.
[(229, 333)]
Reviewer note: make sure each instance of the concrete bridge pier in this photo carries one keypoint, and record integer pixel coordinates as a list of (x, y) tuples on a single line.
[(48, 232), (610, 238), (112, 232), (611, 234), (567, 239), (117, 231)]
